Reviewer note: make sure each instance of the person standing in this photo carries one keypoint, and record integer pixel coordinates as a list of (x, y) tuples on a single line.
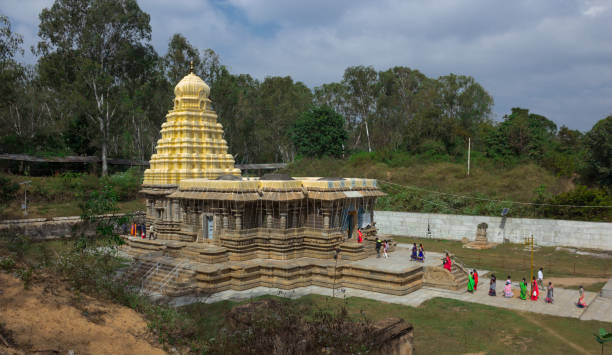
[(413, 255), (549, 293), (470, 285), (475, 280), (378, 245), (541, 278), (535, 292), (493, 286), (523, 289), (447, 263), (359, 235)]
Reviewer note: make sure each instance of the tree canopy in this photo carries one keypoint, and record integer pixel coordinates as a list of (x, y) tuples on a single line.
[(319, 132)]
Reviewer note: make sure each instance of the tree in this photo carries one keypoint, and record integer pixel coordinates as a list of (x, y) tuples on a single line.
[(598, 142), (280, 103), (361, 91), (319, 132), (10, 70), (179, 57), (97, 39)]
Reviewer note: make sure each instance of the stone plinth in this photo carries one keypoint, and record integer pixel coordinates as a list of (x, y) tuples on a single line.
[(481, 241)]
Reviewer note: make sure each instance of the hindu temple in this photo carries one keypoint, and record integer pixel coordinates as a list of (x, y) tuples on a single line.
[(216, 230)]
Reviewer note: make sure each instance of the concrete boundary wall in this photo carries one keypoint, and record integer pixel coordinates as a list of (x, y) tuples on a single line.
[(547, 232)]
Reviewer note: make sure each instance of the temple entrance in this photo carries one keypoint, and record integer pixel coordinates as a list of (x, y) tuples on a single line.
[(207, 227), (351, 220)]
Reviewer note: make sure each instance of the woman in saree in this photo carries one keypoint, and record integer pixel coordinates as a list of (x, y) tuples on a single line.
[(523, 289), (470, 286), (550, 297), (447, 262), (413, 256), (492, 286), (535, 292), (508, 288), (475, 280)]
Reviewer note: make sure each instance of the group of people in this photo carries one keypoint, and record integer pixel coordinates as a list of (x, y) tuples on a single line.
[(384, 245), (418, 254), (534, 293), (139, 230)]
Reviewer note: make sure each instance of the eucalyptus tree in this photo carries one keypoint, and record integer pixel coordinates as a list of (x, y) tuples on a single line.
[(88, 46), (361, 85), (10, 70)]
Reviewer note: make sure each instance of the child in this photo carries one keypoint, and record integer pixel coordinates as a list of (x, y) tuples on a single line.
[(421, 256), (549, 293), (581, 303), (413, 255)]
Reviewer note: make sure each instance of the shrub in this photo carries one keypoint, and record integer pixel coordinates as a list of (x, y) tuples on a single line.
[(8, 190), (7, 263), (126, 184)]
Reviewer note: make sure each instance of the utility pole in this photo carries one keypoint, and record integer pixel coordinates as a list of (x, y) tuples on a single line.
[(469, 151), (24, 206), (529, 242)]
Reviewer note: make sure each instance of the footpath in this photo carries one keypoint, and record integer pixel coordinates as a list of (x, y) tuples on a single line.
[(564, 305)]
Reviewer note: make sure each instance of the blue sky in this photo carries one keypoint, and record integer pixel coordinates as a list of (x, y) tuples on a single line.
[(553, 57)]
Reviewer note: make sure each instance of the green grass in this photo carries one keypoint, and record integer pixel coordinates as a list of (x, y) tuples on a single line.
[(444, 326), (515, 259)]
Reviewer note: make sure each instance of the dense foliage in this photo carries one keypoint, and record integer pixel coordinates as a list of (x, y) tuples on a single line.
[(319, 132)]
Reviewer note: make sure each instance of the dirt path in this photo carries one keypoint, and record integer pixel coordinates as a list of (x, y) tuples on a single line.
[(48, 317), (533, 320)]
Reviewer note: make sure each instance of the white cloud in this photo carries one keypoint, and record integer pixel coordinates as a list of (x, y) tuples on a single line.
[(552, 57)]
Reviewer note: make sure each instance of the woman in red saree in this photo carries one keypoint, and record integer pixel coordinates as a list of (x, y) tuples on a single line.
[(475, 280), (534, 290), (447, 262), (359, 235)]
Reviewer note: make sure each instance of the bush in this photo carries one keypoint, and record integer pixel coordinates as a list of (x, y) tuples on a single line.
[(7, 263), (8, 190), (126, 184), (580, 196)]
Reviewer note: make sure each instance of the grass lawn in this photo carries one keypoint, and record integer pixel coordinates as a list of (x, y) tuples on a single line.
[(515, 260), (444, 326)]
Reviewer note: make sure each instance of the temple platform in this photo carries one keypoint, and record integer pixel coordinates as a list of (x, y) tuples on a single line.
[(159, 269)]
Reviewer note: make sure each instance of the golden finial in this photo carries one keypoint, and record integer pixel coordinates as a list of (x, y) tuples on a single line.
[(191, 67)]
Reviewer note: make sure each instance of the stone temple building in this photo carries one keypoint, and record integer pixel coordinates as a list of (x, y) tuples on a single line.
[(216, 230)]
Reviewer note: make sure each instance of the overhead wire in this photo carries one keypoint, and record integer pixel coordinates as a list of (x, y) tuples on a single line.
[(490, 200)]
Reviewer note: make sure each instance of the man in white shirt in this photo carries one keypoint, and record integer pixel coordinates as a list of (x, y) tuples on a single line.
[(541, 278)]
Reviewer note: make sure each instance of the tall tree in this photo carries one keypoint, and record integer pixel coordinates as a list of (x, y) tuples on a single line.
[(10, 70), (599, 144), (361, 84), (179, 57), (96, 37)]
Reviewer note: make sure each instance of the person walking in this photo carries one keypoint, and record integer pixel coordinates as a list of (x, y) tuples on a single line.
[(385, 248), (492, 286), (359, 235), (523, 289), (541, 278), (549, 293), (470, 285), (535, 292), (378, 245), (581, 303), (475, 280), (508, 288)]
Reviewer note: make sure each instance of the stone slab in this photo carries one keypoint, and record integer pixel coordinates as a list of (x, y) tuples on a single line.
[(606, 291)]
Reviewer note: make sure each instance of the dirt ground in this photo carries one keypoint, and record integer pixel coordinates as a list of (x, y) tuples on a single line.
[(573, 281), (49, 319)]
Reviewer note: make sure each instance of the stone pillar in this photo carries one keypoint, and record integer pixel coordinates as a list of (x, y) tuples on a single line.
[(283, 220), (225, 220), (176, 211), (238, 217), (269, 219), (326, 213), (296, 220)]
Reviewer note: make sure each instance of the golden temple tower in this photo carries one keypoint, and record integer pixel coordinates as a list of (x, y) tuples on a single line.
[(191, 144)]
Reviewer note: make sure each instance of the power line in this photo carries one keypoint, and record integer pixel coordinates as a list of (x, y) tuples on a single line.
[(487, 199), (438, 204)]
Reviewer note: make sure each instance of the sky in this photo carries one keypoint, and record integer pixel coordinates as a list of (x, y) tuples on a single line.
[(553, 57)]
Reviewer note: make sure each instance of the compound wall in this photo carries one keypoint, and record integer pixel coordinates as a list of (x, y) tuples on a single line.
[(547, 232)]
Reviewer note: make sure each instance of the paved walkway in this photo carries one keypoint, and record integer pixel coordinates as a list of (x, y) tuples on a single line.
[(564, 306)]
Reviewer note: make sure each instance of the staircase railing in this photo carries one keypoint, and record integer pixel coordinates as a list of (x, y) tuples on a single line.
[(153, 270), (173, 273)]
